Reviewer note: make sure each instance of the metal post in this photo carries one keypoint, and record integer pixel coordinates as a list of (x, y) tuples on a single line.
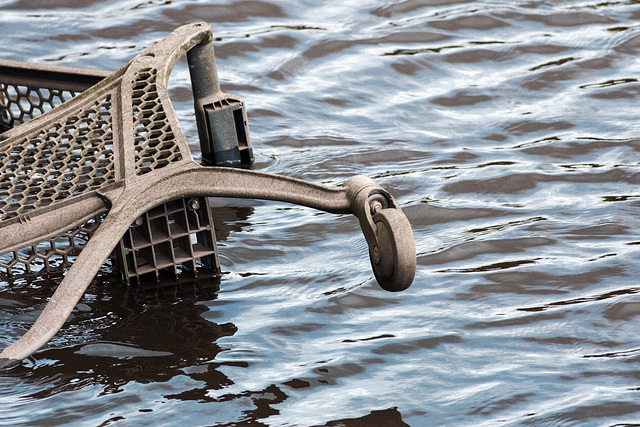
[(221, 118)]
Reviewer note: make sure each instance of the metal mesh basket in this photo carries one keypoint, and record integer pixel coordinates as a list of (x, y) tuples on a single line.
[(94, 164)]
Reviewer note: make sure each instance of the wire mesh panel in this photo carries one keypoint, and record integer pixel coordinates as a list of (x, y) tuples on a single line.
[(51, 254), (66, 158), (29, 90), (154, 138), (21, 103)]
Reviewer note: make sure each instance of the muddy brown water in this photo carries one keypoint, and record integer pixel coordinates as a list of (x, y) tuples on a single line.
[(509, 132)]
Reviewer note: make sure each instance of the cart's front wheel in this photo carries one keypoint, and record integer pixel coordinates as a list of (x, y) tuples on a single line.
[(393, 259)]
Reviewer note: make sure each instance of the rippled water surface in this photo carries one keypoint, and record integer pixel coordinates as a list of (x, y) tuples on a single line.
[(509, 132)]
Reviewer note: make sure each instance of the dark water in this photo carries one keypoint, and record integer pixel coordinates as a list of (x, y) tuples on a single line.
[(509, 132)]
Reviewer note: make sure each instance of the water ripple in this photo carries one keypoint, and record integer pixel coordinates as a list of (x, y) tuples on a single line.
[(508, 132)]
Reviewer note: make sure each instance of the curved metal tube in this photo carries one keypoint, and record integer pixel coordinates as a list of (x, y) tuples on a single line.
[(29, 229), (191, 179), (68, 292)]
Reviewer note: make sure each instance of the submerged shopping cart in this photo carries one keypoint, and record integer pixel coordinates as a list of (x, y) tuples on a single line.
[(94, 165)]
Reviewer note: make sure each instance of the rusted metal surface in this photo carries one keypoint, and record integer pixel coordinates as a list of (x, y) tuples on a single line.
[(76, 180)]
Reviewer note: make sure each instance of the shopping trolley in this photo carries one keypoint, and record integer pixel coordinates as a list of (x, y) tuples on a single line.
[(95, 165)]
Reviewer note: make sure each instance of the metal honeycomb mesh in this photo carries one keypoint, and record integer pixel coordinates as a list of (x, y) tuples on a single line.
[(155, 145), (56, 252), (67, 158), (21, 103)]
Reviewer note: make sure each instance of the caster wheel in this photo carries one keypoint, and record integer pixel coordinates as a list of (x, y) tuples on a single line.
[(394, 258)]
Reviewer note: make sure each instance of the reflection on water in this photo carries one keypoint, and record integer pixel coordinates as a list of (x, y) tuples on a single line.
[(163, 332), (507, 130)]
